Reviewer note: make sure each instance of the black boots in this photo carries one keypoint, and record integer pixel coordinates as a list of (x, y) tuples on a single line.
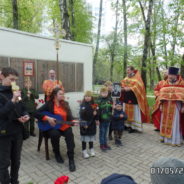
[(58, 157), (130, 130), (110, 137), (118, 142), (72, 167)]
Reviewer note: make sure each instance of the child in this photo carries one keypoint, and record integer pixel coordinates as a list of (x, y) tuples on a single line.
[(88, 113), (105, 113), (118, 119), (28, 97), (109, 86)]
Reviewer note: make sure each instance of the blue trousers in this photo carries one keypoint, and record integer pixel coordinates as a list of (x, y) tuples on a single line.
[(103, 131)]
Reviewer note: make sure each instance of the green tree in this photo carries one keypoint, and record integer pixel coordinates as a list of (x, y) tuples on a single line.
[(113, 46), (102, 67), (125, 58), (81, 22), (22, 15), (170, 32), (95, 58), (31, 15), (146, 40), (6, 14), (73, 17), (53, 15)]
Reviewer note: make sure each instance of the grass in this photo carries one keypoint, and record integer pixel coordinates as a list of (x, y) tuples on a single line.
[(151, 102), (151, 99)]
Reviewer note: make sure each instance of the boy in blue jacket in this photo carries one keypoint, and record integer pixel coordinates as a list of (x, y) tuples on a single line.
[(118, 119)]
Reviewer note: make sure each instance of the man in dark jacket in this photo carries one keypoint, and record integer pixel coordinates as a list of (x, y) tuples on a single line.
[(12, 117)]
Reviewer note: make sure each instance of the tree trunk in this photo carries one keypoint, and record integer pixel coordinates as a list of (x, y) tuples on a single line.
[(112, 66), (65, 18), (125, 57), (146, 42), (174, 34), (72, 18), (114, 44), (98, 40), (164, 35), (15, 14), (155, 61), (150, 69), (152, 46)]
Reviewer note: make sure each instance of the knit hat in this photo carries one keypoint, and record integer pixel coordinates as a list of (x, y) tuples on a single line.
[(88, 93), (167, 171), (103, 89), (108, 83)]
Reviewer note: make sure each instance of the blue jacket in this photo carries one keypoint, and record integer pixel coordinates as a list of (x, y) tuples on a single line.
[(117, 121), (118, 179)]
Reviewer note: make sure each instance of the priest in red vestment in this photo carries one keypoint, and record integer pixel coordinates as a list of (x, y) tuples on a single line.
[(169, 108)]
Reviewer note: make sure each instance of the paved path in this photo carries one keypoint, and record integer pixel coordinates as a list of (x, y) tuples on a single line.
[(134, 159)]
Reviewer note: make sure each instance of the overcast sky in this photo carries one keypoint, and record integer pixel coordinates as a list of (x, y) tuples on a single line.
[(108, 21)]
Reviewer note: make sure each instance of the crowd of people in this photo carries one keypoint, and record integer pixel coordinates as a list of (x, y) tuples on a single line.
[(113, 115)]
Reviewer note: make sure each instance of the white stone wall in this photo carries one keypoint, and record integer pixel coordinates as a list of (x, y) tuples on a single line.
[(73, 98), (20, 44)]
